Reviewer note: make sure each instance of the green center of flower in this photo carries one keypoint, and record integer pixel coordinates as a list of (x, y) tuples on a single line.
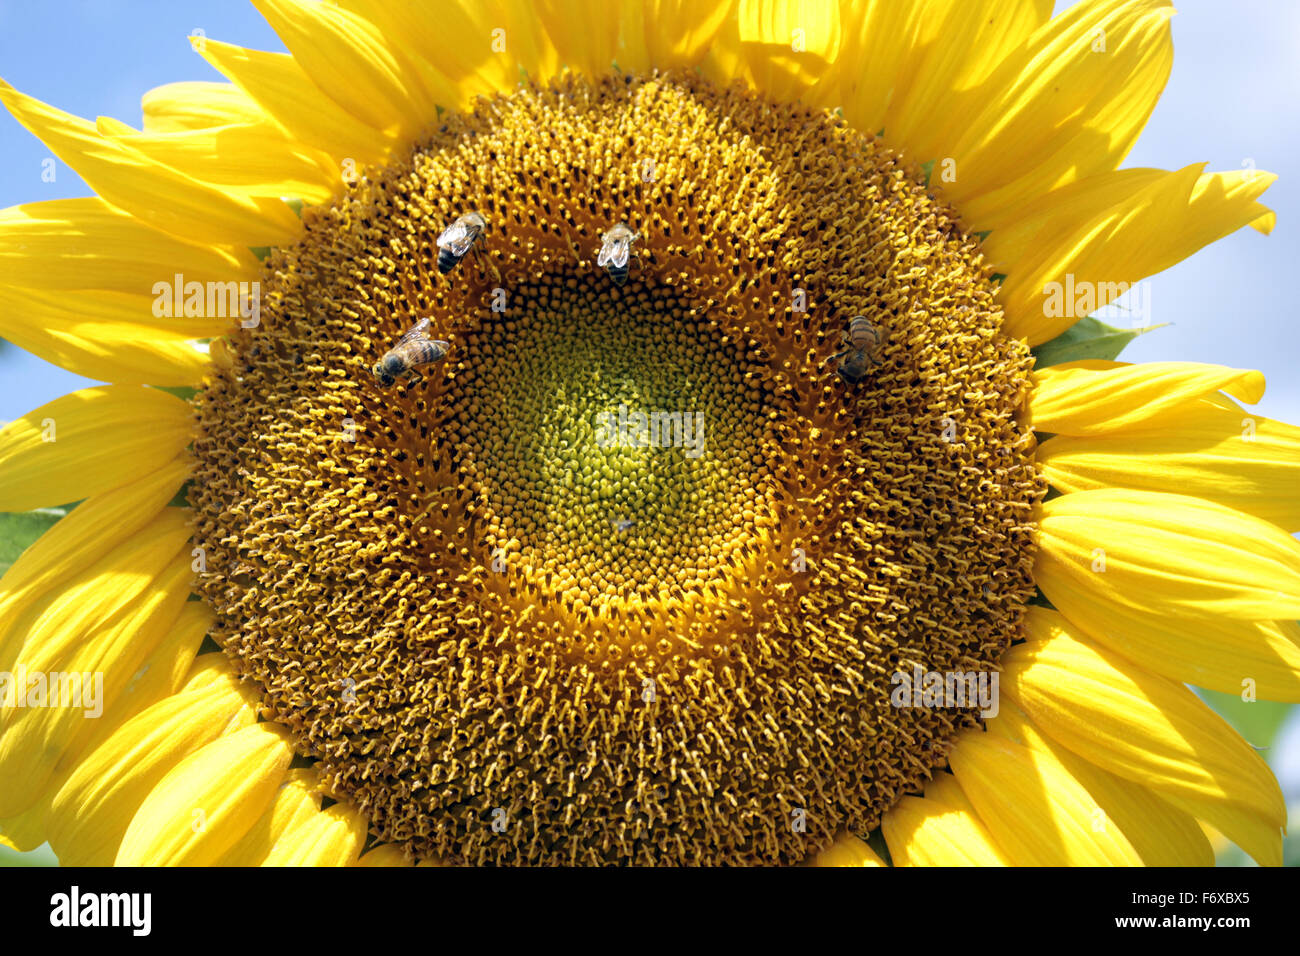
[(626, 576), (614, 440)]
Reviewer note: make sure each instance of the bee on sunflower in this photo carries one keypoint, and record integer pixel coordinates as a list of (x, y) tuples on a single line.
[(341, 623)]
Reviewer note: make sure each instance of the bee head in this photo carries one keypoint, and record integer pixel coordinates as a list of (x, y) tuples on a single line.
[(381, 375)]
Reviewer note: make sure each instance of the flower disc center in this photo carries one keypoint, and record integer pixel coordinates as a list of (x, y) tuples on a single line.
[(513, 621), (615, 439)]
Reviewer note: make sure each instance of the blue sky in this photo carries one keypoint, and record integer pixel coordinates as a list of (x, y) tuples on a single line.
[(1233, 100)]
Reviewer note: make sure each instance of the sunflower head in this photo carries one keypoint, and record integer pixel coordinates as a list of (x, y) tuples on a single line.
[(633, 455)]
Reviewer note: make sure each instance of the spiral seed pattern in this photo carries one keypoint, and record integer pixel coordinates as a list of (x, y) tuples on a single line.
[(507, 640)]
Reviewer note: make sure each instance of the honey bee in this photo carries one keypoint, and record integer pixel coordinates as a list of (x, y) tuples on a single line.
[(412, 350), (864, 342), (615, 247), (457, 239)]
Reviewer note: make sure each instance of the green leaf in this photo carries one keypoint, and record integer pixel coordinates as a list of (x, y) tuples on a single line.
[(927, 167), (181, 498), (18, 531), (876, 840), (1086, 339), (260, 251), (1040, 599), (295, 205)]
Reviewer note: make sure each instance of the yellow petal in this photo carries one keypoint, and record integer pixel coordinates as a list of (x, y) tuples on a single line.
[(91, 813), (108, 126), (1260, 838), (1157, 227), (87, 442), (295, 831), (403, 28), (296, 799), (480, 47), (162, 673), (85, 662), (975, 37), (932, 832), (587, 33), (283, 90), (1135, 724), (1038, 814), (255, 160), (678, 33), (93, 587), (210, 668), (944, 790), (1080, 401), (1265, 220), (1161, 834), (157, 195), (1165, 554), (208, 801), (1239, 460), (1223, 654), (59, 328), (847, 850), (87, 244), (882, 43), (83, 536), (197, 104), (352, 63), (1044, 219), (1059, 109), (26, 831), (330, 837), (781, 47)]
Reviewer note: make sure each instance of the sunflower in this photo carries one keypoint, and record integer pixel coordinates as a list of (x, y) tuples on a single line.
[(638, 562)]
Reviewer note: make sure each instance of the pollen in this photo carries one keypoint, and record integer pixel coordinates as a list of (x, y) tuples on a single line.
[(625, 577)]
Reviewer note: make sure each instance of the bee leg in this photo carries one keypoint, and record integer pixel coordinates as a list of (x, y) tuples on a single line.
[(836, 356), (485, 262), (413, 378)]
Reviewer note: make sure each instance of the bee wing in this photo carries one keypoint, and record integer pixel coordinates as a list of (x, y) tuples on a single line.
[(419, 330), (455, 235), (619, 257), (606, 251)]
